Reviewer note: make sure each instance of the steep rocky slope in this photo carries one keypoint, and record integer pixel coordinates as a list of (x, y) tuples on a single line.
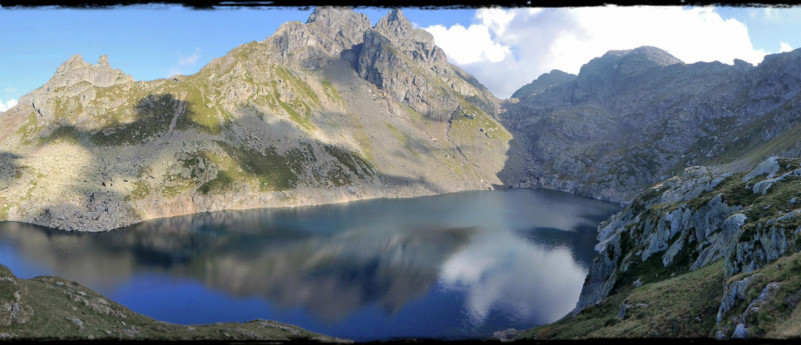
[(742, 230), (52, 308), (327, 111), (632, 118)]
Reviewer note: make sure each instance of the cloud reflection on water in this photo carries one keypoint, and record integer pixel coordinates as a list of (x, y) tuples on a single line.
[(520, 254), (500, 271)]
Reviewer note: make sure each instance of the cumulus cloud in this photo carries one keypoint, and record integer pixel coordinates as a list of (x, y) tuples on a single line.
[(8, 104), (784, 47), (508, 48), (185, 62), (468, 45)]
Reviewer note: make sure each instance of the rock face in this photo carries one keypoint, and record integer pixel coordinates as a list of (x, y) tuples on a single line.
[(542, 83), (327, 111), (633, 118), (695, 219)]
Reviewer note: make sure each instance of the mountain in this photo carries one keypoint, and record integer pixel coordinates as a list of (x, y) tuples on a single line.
[(542, 83), (633, 118), (325, 111), (706, 158)]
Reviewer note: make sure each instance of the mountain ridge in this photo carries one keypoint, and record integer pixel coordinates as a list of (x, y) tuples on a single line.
[(306, 116), (600, 136)]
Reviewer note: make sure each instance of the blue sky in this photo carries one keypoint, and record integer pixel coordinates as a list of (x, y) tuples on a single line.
[(502, 48)]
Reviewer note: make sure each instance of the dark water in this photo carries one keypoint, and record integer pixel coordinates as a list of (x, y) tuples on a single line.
[(450, 266)]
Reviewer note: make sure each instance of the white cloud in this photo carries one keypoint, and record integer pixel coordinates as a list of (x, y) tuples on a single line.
[(185, 62), (10, 90), (507, 49), (784, 47), (7, 105), (468, 45)]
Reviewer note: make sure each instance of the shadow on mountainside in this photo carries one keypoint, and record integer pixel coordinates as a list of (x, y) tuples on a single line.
[(10, 171), (516, 169), (116, 165)]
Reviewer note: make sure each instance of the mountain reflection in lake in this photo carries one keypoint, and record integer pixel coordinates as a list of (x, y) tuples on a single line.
[(449, 266)]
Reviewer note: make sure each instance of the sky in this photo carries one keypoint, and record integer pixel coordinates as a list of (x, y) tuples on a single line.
[(503, 48)]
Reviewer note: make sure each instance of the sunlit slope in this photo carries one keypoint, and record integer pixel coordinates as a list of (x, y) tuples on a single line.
[(306, 116)]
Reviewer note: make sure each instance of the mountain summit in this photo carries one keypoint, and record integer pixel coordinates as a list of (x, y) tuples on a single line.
[(634, 117), (324, 111)]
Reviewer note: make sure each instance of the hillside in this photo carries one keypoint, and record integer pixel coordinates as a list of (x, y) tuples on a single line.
[(707, 253), (327, 111), (51, 308)]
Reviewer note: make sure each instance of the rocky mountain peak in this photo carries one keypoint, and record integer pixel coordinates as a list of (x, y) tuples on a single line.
[(103, 61), (340, 24), (618, 66), (327, 31), (335, 15), (654, 55), (395, 25), (74, 62), (543, 82), (74, 71)]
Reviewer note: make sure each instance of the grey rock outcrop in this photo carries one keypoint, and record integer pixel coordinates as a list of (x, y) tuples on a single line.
[(732, 294), (740, 332), (703, 216), (405, 62), (543, 82)]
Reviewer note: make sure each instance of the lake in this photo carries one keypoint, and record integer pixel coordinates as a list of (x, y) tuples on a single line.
[(451, 266)]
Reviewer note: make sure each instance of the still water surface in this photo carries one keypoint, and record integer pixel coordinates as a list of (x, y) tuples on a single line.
[(449, 266)]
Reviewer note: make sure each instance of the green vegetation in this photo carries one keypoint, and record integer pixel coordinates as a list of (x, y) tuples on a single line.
[(355, 163), (308, 98), (331, 92), (223, 181), (465, 127), (303, 121), (29, 129), (63, 134), (779, 315), (4, 209), (272, 170), (141, 190), (683, 306), (153, 115), (199, 115)]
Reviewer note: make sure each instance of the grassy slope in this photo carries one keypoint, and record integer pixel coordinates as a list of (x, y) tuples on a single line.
[(54, 308), (686, 306), (682, 306)]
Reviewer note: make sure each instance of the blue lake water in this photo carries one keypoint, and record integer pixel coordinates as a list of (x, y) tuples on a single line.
[(451, 266)]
